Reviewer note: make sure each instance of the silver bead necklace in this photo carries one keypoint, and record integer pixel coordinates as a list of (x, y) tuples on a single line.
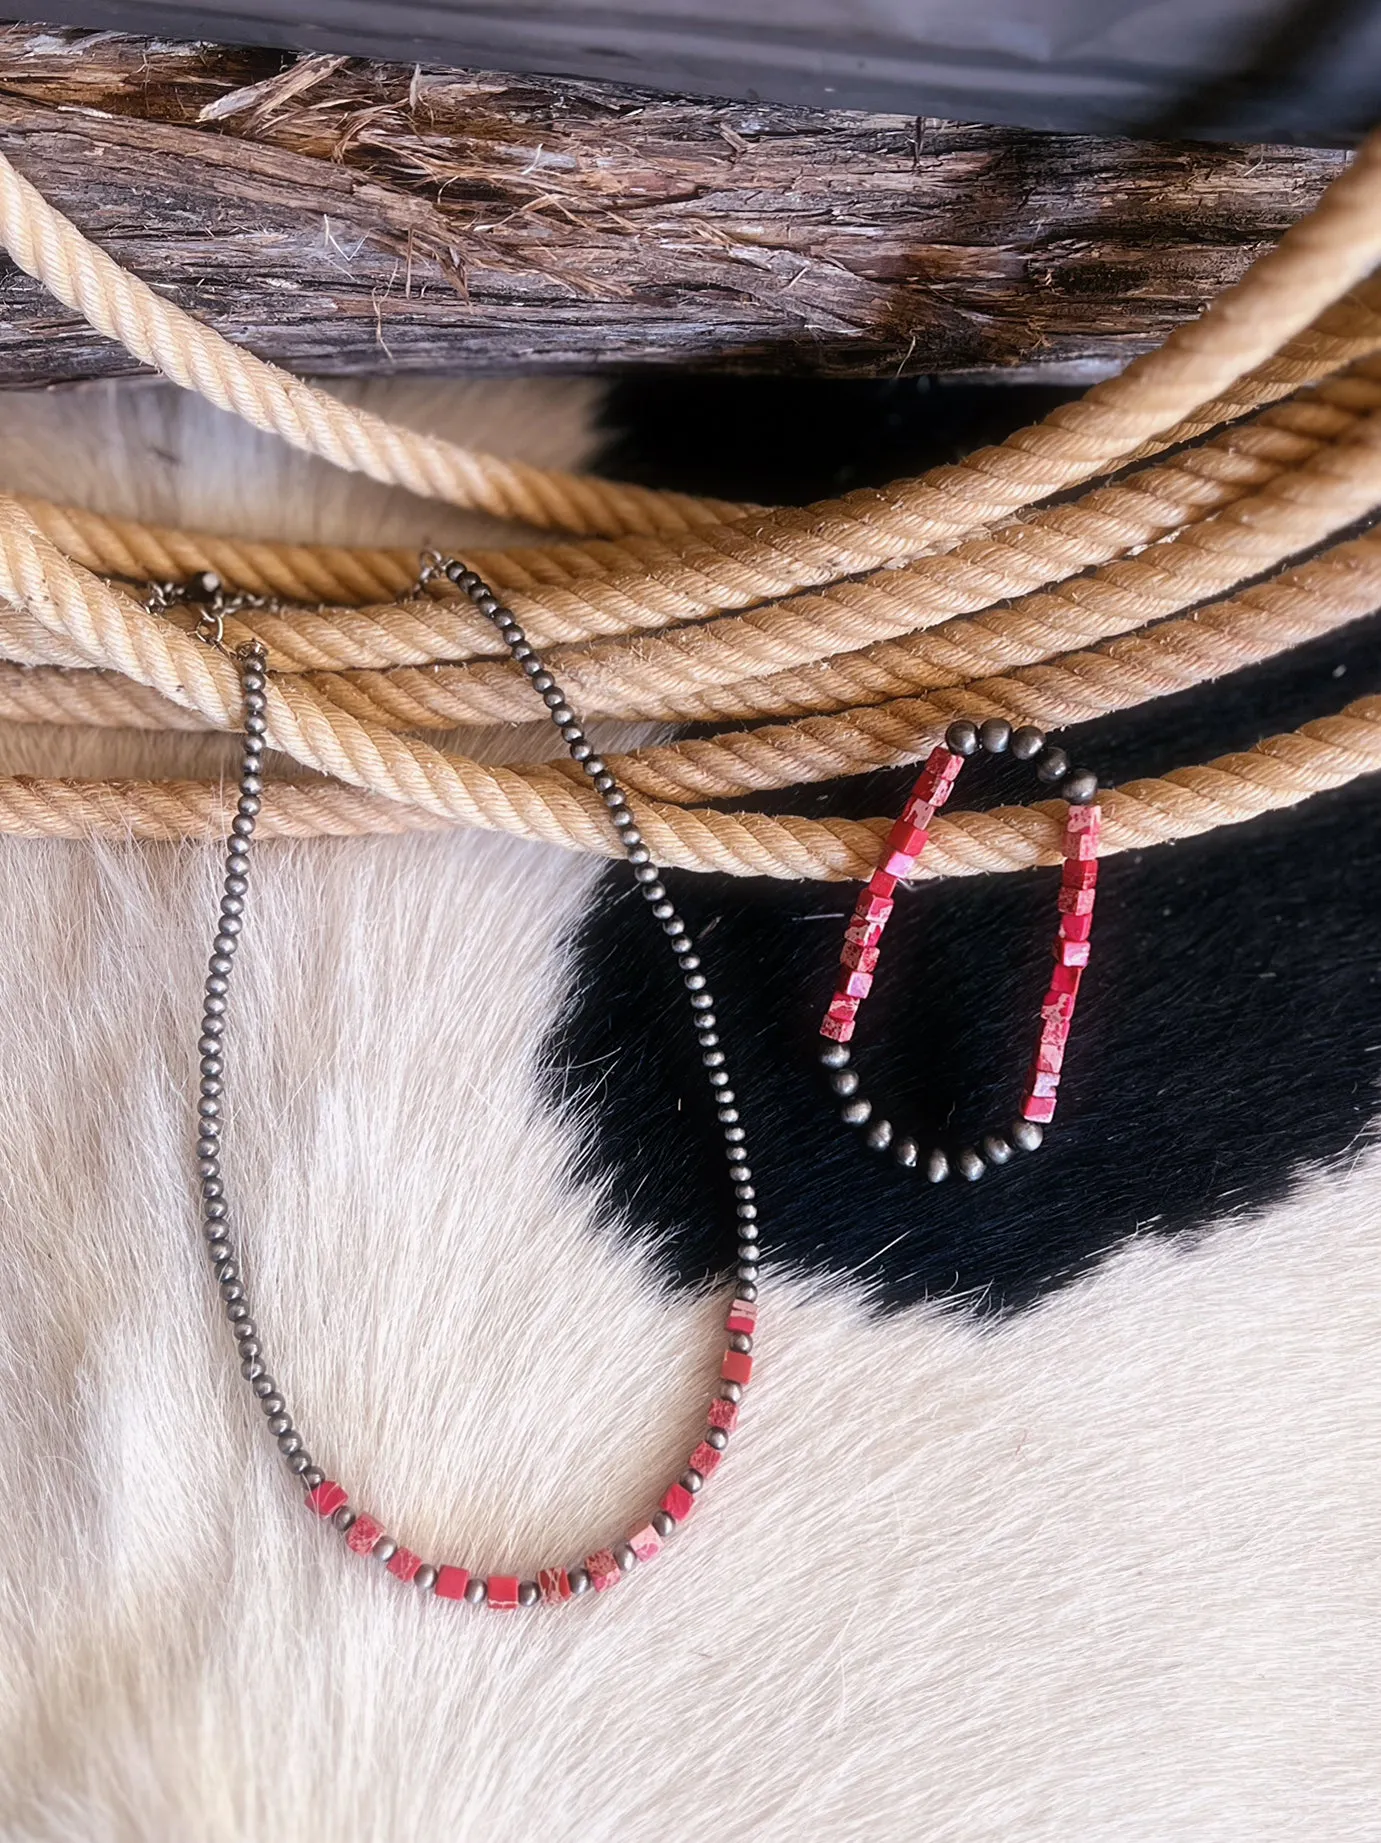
[(364, 1535)]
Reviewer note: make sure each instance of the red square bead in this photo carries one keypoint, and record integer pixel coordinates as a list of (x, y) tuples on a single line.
[(1084, 819), (645, 1543), (362, 1534), (503, 1592), (742, 1317), (917, 814), (906, 837), (857, 985), (1075, 902), (882, 883), (896, 865), (938, 776), (704, 1459), (1080, 847), (843, 1008), (603, 1570), (1071, 953), (839, 1029), (737, 1366), (1080, 873), (1043, 1082), (404, 1564), (1050, 1055), (326, 1498), (1057, 1009), (678, 1503), (872, 907), (451, 1583), (1038, 1108), (1066, 979), (555, 1584), (863, 933), (1076, 927), (862, 959), (724, 1414)]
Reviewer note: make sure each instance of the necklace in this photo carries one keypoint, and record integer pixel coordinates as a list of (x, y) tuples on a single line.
[(364, 1535), (862, 947)]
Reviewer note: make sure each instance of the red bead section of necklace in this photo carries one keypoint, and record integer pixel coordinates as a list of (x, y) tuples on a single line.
[(905, 843), (605, 1568), (1077, 889), (862, 947)]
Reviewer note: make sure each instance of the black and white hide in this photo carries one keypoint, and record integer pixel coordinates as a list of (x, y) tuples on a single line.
[(1054, 1515)]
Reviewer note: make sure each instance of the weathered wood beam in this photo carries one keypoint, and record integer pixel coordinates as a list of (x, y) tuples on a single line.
[(346, 217)]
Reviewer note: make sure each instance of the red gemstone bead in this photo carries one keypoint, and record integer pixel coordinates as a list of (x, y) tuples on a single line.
[(917, 813), (857, 985), (864, 933), (872, 907), (362, 1534), (1082, 824), (451, 1583), (1043, 1082), (906, 838), (1065, 979), (705, 1458), (326, 1498), (555, 1584), (724, 1414), (404, 1564), (897, 864), (677, 1502), (1050, 1055), (1075, 902), (645, 1543), (1038, 1109), (938, 776), (1079, 873), (741, 1317), (839, 1019), (503, 1592), (862, 959), (737, 1366), (603, 1570), (882, 883), (1076, 927), (1071, 953)]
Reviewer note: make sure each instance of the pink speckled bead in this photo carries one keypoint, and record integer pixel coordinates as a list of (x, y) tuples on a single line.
[(645, 1543), (363, 1534), (724, 1415), (603, 1570), (705, 1459)]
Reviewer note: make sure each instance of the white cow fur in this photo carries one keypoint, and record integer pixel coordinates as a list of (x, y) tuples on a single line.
[(1109, 1573)]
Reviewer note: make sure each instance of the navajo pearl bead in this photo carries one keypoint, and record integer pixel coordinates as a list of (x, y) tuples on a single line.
[(996, 1149), (856, 1112), (1081, 787), (961, 738), (969, 1165), (937, 1167), (995, 735), (1026, 1135), (1052, 766)]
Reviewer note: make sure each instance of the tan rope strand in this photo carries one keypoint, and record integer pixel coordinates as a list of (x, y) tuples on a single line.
[(1319, 259), (1044, 547), (49, 247), (1074, 686), (1280, 772), (1319, 598)]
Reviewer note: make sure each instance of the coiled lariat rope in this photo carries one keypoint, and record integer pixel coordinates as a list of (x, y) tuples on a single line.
[(859, 625)]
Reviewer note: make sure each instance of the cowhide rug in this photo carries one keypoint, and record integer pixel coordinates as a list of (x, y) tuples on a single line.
[(1055, 1512)]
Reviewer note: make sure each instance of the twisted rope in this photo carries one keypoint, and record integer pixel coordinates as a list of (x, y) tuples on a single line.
[(1208, 519)]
